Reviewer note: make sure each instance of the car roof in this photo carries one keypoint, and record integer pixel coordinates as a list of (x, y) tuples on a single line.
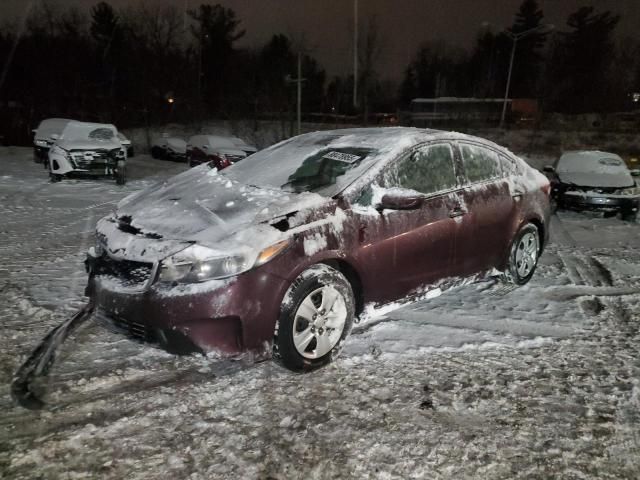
[(50, 126), (377, 137)]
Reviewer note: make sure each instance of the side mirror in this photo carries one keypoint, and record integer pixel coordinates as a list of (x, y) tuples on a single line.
[(549, 169), (55, 136), (398, 201)]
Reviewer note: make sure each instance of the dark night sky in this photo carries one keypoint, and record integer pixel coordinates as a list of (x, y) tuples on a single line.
[(404, 24)]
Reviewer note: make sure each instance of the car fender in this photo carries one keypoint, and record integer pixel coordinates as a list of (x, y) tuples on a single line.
[(58, 162)]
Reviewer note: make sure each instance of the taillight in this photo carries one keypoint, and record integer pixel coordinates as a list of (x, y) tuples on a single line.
[(220, 161), (546, 188)]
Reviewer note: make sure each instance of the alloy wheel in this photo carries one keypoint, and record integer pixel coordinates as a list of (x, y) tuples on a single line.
[(527, 254), (319, 322)]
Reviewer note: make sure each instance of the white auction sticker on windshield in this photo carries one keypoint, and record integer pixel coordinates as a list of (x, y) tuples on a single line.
[(342, 157)]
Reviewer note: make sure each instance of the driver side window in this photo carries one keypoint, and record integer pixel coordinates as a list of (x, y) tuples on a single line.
[(427, 170)]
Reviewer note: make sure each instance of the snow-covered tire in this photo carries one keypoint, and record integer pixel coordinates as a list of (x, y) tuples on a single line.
[(316, 317), (121, 173), (523, 255), (54, 177), (629, 216), (157, 153)]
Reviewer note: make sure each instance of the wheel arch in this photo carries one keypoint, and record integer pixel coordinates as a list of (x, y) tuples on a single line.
[(539, 224), (542, 230), (352, 276)]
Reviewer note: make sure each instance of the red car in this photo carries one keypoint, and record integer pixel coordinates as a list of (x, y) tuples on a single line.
[(220, 151), (279, 253)]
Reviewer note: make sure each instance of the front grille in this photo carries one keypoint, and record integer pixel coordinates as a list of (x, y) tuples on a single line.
[(170, 340), (93, 160), (129, 274), (137, 331)]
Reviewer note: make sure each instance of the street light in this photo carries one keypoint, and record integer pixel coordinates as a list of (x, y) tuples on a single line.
[(514, 38), (355, 53), (298, 81)]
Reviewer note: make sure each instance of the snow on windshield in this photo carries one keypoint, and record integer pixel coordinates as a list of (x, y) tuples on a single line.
[(594, 169), (322, 162), (591, 162), (85, 131)]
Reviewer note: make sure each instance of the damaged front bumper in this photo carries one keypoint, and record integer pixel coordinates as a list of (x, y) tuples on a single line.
[(578, 200), (229, 316), (80, 162)]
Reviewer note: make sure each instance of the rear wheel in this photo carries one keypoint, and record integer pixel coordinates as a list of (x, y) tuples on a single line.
[(54, 177), (628, 216), (316, 317), (523, 255)]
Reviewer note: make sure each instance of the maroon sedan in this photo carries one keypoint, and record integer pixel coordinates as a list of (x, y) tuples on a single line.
[(278, 254)]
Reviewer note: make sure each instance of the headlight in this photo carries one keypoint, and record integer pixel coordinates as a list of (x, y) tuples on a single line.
[(41, 143), (198, 264)]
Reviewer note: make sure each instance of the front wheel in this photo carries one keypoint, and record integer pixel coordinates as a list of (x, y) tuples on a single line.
[(523, 255), (121, 177), (316, 317), (157, 152)]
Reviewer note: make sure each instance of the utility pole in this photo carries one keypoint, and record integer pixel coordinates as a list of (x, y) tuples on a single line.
[(506, 92), (299, 82), (355, 53), (514, 38)]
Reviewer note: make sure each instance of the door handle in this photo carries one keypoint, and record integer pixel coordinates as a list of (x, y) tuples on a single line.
[(458, 211)]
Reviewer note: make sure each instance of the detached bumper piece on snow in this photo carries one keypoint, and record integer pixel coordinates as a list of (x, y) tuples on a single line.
[(42, 358)]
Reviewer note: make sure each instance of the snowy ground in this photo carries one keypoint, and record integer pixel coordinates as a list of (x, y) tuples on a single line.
[(483, 382)]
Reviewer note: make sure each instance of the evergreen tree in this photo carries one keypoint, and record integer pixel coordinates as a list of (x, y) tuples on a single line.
[(526, 68), (215, 31), (579, 72)]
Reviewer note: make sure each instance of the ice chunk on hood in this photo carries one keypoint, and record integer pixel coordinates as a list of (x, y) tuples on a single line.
[(202, 206)]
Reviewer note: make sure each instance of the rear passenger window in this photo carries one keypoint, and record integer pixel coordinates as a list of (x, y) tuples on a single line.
[(480, 164), (427, 170), (509, 166)]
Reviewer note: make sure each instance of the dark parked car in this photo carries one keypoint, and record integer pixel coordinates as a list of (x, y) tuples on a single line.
[(281, 252), (220, 151), (593, 180), (48, 131), (169, 148)]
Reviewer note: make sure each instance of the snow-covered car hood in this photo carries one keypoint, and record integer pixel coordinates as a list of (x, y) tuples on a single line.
[(178, 145), (200, 206), (592, 168), (72, 144)]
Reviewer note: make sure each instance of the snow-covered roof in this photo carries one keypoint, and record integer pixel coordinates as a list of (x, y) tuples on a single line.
[(50, 126), (274, 166)]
